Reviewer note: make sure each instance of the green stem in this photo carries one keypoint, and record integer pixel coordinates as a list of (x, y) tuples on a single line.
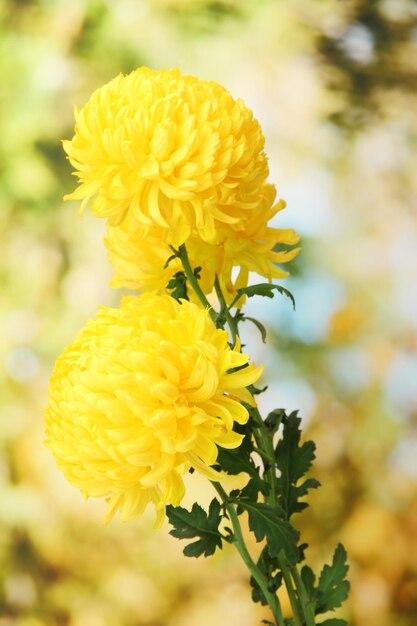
[(183, 256), (308, 608), (264, 442), (244, 553), (297, 613), (302, 609), (225, 310)]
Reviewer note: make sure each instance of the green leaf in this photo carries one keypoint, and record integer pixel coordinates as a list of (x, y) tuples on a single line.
[(178, 286), (265, 290), (169, 259), (240, 460), (333, 622), (255, 391), (273, 420), (178, 283), (231, 462), (333, 588), (258, 325), (293, 460), (308, 577), (196, 523), (267, 522), (252, 489)]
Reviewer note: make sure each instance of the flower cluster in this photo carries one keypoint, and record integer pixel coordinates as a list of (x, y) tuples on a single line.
[(152, 389), (170, 159), (146, 392)]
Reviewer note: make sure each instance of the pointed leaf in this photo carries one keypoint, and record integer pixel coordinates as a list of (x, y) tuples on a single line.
[(267, 522), (308, 577), (197, 523), (265, 290), (293, 460), (258, 325), (240, 460), (333, 588)]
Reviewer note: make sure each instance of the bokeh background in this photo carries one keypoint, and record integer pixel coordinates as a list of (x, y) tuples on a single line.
[(333, 84)]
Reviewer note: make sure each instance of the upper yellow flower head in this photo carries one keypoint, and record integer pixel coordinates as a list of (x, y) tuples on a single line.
[(143, 394), (176, 152)]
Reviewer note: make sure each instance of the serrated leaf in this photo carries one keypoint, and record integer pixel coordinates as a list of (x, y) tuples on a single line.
[(267, 522), (233, 463), (310, 483), (252, 489), (178, 286), (308, 577), (265, 290), (333, 588), (197, 523), (333, 622), (239, 460), (293, 460)]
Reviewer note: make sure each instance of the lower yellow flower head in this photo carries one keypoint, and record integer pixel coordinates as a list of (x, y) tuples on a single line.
[(175, 151), (145, 393), (139, 255)]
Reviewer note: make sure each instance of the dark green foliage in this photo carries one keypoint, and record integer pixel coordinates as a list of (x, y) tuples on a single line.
[(308, 577), (267, 522), (265, 290), (293, 461), (333, 588), (178, 286), (333, 621), (274, 419), (255, 391), (197, 523), (178, 283), (240, 460)]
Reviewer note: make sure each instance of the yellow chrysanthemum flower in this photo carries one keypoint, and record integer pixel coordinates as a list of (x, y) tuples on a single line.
[(174, 151), (139, 254), (146, 392)]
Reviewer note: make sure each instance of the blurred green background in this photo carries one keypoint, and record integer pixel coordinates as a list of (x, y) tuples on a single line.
[(333, 84)]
